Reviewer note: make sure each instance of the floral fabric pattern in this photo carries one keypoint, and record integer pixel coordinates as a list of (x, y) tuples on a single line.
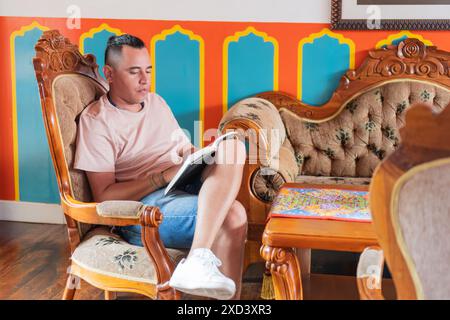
[(127, 259)]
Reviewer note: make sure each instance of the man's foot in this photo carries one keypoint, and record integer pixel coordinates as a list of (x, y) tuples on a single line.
[(199, 275)]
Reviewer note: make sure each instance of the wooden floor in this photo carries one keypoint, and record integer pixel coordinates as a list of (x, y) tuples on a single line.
[(34, 259)]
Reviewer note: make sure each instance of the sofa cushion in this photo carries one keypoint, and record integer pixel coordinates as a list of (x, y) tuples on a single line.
[(366, 130)]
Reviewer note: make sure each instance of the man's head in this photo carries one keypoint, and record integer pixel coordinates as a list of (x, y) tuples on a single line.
[(127, 68)]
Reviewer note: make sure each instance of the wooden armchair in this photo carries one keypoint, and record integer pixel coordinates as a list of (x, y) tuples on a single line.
[(67, 83), (410, 204)]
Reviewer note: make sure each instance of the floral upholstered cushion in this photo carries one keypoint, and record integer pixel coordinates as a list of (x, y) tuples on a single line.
[(333, 204), (106, 253)]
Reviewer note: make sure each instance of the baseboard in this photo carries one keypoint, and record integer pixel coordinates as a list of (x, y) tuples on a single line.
[(31, 212)]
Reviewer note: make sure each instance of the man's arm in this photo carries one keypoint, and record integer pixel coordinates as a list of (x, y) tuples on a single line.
[(187, 150), (104, 186)]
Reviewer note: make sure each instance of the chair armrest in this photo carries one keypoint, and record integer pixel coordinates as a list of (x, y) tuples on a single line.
[(150, 220), (261, 123), (86, 212), (370, 273), (120, 209)]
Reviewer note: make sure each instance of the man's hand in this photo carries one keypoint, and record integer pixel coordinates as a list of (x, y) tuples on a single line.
[(168, 174)]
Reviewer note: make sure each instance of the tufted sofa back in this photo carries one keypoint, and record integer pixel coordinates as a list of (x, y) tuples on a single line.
[(365, 131)]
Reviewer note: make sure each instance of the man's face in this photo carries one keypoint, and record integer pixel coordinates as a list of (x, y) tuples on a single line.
[(129, 74)]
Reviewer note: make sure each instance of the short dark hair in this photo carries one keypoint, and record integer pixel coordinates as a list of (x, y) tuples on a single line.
[(115, 44)]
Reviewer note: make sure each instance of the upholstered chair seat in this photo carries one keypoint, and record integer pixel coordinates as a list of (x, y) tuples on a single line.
[(105, 253)]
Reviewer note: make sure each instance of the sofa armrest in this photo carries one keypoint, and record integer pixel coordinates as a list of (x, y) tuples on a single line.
[(370, 273), (284, 168), (260, 122)]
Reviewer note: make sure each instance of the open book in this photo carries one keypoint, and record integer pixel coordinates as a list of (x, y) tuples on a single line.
[(195, 163)]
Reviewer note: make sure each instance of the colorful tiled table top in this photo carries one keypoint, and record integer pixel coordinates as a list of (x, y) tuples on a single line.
[(332, 204)]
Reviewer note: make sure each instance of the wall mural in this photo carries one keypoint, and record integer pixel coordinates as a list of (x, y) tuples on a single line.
[(35, 179), (238, 59), (250, 65), (178, 76), (94, 42), (323, 59)]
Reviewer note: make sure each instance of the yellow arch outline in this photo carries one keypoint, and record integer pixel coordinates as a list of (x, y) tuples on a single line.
[(93, 31), (192, 36), (310, 39), (392, 37), (18, 33), (235, 38)]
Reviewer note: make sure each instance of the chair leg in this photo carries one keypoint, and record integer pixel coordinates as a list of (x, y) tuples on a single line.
[(110, 295), (71, 287)]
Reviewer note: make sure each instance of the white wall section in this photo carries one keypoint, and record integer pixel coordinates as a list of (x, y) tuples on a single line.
[(315, 11)]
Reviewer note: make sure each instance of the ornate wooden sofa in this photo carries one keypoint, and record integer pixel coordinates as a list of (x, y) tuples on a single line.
[(341, 142)]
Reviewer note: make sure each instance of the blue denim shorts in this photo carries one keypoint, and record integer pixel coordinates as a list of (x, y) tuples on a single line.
[(179, 209)]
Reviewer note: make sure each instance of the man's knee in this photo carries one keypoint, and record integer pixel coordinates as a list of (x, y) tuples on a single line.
[(236, 219), (232, 152)]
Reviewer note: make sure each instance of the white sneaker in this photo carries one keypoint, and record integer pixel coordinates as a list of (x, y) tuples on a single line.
[(199, 275)]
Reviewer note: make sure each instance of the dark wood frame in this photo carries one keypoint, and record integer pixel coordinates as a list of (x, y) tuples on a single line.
[(337, 23), (55, 56)]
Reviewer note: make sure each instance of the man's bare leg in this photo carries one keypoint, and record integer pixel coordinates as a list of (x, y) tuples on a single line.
[(222, 221), (229, 245)]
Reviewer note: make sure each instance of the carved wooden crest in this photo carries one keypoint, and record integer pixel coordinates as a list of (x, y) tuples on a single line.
[(411, 59), (55, 54)]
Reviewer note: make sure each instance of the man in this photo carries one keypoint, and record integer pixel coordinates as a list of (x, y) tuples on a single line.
[(125, 145)]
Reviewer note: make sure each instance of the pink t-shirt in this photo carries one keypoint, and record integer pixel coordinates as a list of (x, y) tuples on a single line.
[(130, 144)]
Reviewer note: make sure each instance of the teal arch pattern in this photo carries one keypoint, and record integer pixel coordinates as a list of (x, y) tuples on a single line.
[(324, 61), (396, 41), (250, 67), (96, 46), (177, 67), (37, 180)]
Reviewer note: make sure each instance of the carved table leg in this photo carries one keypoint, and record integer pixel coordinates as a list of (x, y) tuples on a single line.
[(285, 270), (304, 258)]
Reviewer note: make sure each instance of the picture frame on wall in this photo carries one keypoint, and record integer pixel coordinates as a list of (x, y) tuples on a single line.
[(390, 14)]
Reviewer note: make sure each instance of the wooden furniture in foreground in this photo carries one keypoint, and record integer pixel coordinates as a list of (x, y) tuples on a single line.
[(283, 234), (410, 201), (67, 83), (342, 141)]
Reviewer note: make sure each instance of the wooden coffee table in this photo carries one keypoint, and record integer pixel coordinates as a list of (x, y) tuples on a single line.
[(281, 235)]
